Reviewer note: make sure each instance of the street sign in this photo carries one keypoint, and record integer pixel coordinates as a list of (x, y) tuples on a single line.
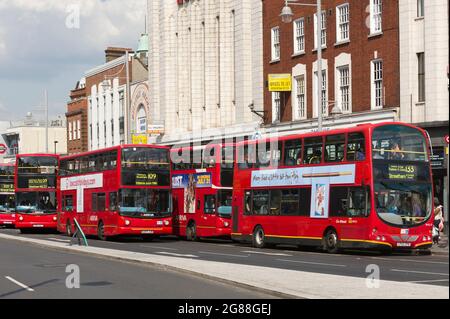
[(3, 149), (280, 82), (446, 139)]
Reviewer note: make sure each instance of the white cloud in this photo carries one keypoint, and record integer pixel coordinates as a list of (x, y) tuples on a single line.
[(39, 51)]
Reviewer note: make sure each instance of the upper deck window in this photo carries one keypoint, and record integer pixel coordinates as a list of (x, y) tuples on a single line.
[(399, 143)]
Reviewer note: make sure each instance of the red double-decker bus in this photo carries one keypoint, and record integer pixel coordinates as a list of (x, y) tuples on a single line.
[(35, 187), (123, 190), (202, 184), (363, 187), (7, 196)]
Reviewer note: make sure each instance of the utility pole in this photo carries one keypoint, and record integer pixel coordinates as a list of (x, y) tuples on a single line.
[(46, 120), (127, 57)]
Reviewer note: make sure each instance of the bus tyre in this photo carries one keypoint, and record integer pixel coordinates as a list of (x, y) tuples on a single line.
[(331, 242), (68, 229), (259, 238), (191, 232), (101, 231)]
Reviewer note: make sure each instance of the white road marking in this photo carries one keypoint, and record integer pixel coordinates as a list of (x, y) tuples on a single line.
[(19, 284), (412, 260), (175, 255), (158, 247), (419, 272), (263, 253), (312, 263), (220, 254)]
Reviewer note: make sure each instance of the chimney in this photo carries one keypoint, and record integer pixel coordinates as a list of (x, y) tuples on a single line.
[(112, 53)]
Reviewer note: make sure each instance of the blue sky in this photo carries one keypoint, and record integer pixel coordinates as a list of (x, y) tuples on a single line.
[(41, 47)]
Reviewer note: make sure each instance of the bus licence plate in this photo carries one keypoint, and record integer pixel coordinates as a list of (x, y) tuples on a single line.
[(38, 226), (147, 232), (403, 244)]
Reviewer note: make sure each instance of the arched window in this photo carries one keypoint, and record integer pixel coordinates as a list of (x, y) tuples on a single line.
[(141, 124)]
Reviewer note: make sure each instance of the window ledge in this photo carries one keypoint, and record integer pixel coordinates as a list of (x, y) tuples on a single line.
[(298, 54), (419, 18), (274, 61), (374, 35), (420, 103), (323, 48), (342, 42)]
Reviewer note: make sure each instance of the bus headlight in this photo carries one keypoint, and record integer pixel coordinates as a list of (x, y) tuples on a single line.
[(21, 218), (127, 223), (54, 219), (226, 224), (13, 216), (378, 238), (166, 222), (383, 238)]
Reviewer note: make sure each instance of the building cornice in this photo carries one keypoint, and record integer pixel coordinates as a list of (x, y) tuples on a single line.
[(106, 66)]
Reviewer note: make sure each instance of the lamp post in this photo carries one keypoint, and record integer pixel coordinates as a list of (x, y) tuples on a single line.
[(286, 17)]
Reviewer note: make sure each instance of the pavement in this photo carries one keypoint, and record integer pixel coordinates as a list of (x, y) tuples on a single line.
[(442, 247), (287, 282)]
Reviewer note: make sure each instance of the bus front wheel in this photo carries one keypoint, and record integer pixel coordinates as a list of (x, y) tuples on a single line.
[(331, 242), (68, 229), (101, 231), (259, 238)]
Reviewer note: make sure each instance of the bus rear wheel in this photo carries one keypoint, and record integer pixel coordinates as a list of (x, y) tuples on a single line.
[(259, 238), (331, 242), (101, 231), (191, 232)]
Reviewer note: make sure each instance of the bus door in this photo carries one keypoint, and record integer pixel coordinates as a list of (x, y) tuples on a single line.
[(350, 206), (208, 211)]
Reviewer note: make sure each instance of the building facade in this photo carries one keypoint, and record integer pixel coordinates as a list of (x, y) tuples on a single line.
[(424, 94), (106, 89), (29, 137), (360, 64), (77, 120), (205, 68)]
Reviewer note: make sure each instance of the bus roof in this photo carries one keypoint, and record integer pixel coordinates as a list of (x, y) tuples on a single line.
[(358, 128), (113, 148)]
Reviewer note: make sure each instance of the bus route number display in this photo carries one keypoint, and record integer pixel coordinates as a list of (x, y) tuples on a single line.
[(38, 183), (146, 179), (6, 188), (402, 172)]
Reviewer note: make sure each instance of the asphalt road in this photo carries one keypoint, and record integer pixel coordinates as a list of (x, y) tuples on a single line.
[(31, 272), (424, 269)]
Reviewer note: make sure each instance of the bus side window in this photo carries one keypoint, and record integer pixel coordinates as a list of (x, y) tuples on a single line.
[(261, 203), (113, 204), (334, 148), (248, 203), (313, 150), (356, 147), (292, 152), (210, 204)]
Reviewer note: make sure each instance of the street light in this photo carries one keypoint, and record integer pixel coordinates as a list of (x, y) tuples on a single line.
[(286, 16)]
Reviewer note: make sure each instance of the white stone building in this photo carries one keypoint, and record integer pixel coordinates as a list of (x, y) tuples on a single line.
[(424, 90), (29, 137), (205, 68)]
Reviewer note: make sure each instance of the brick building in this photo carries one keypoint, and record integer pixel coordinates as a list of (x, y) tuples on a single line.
[(360, 64), (77, 120)]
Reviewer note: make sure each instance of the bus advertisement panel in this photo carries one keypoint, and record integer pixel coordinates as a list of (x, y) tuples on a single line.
[(123, 190), (35, 187), (363, 187)]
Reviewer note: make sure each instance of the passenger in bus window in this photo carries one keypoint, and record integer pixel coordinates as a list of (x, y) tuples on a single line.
[(396, 151), (360, 154), (316, 158), (417, 210)]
